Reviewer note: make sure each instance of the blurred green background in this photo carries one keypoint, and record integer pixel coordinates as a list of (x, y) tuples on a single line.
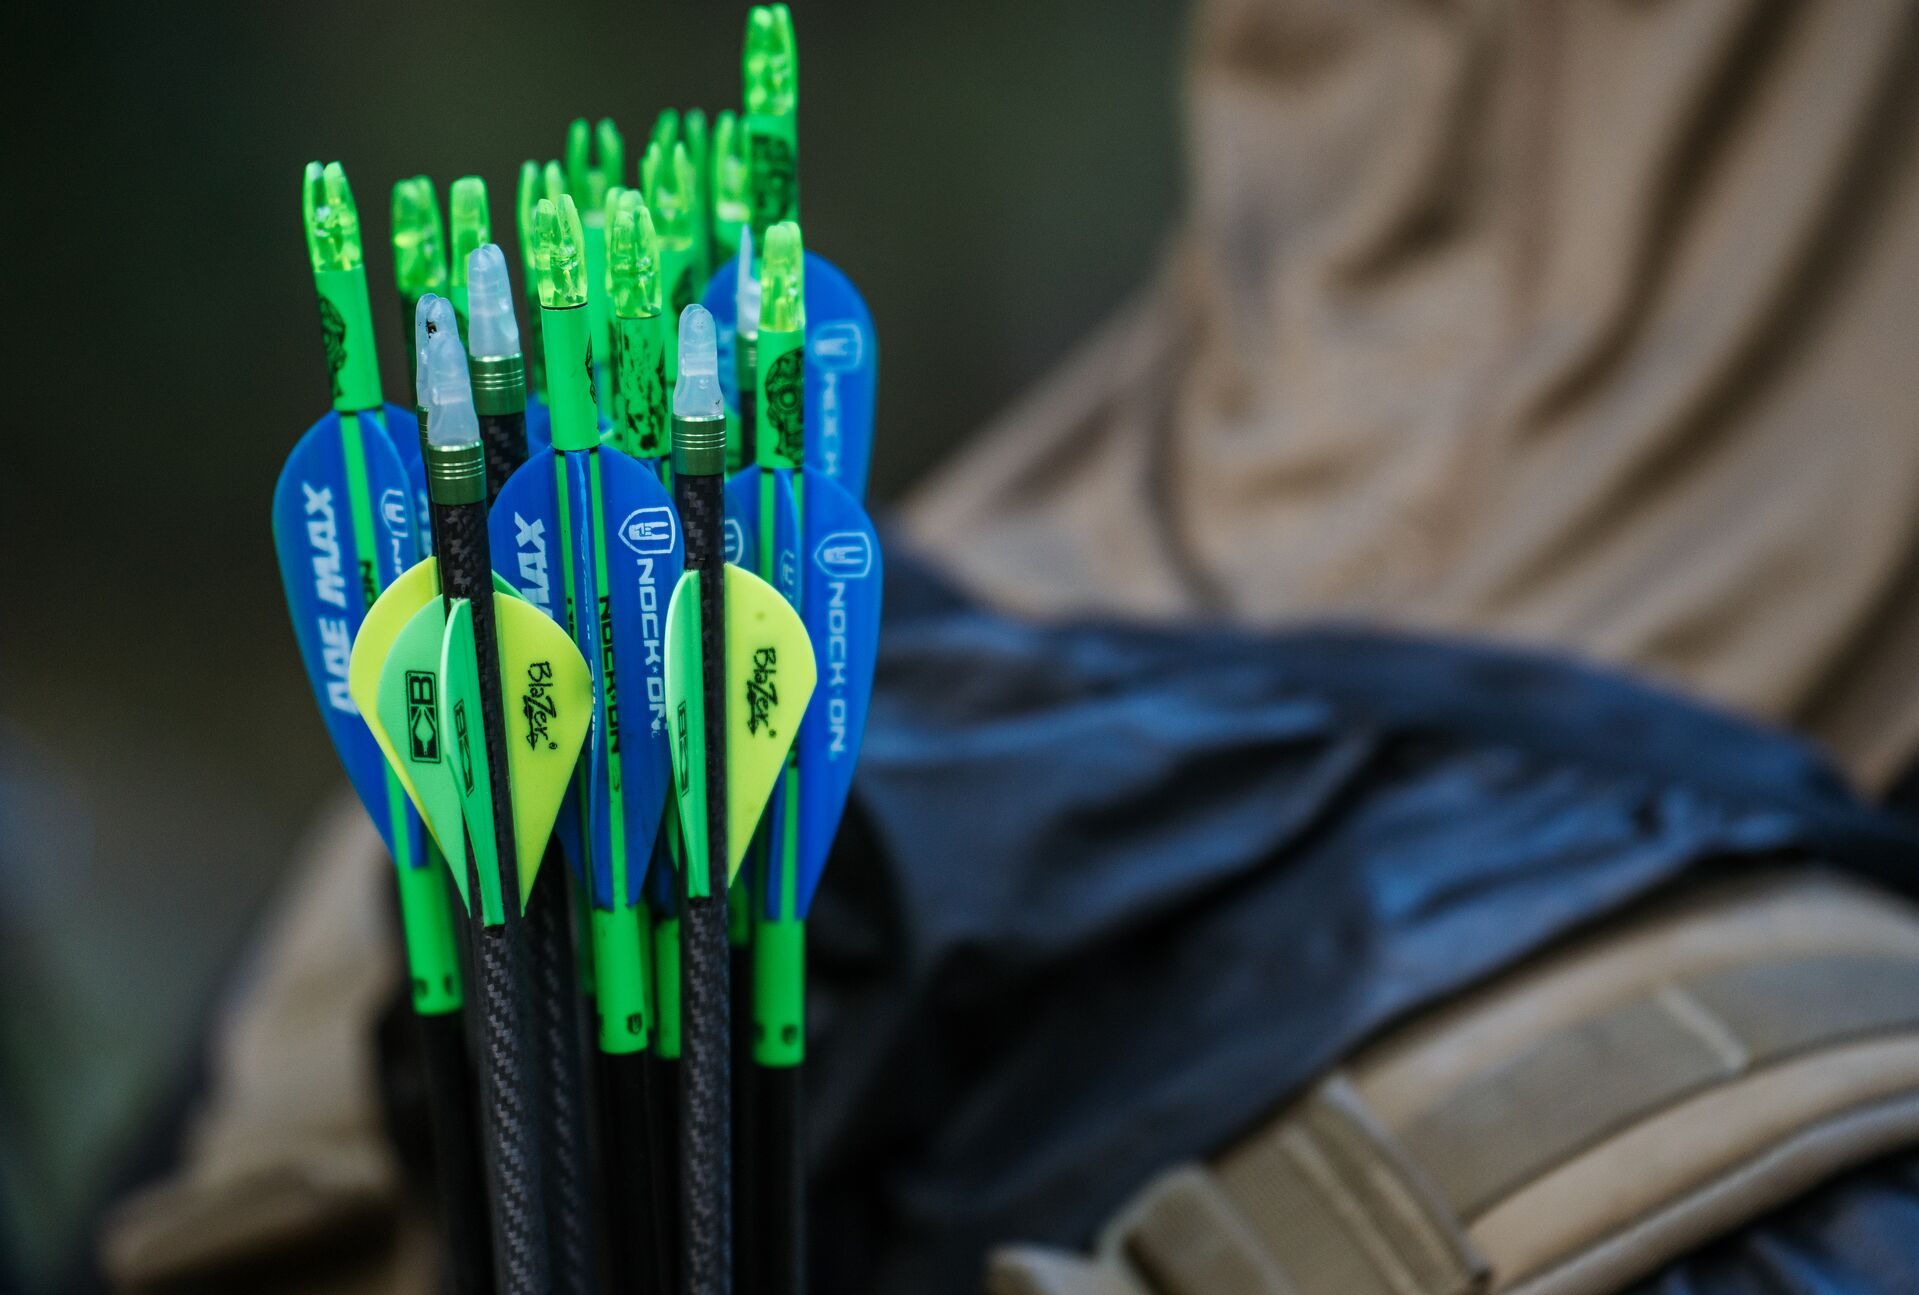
[(996, 176)]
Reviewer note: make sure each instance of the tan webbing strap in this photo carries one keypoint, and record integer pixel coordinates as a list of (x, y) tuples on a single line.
[(1583, 1083), (1569, 1127)]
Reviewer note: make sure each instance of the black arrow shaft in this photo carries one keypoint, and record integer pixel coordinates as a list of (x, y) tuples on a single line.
[(706, 1159), (510, 1119)]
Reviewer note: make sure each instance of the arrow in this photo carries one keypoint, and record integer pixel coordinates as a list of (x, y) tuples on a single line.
[(345, 527), (511, 700), (599, 529), (498, 380), (642, 428), (818, 545), (739, 672)]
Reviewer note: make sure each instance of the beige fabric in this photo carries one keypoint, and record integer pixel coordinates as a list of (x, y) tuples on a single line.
[(287, 1153), (1580, 323)]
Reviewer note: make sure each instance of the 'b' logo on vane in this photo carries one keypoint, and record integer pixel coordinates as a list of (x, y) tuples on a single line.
[(423, 716)]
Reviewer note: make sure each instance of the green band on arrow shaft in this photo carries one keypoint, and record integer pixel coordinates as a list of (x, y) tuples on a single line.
[(779, 992), (666, 985), (456, 474), (699, 447), (346, 324), (569, 377), (426, 925), (622, 977), (499, 384)]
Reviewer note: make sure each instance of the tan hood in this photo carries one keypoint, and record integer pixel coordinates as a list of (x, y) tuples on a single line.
[(1591, 324)]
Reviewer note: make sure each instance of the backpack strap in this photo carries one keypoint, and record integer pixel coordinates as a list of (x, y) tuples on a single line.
[(1567, 1128)]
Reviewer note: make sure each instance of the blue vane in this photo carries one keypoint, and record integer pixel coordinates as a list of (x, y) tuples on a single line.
[(842, 369), (840, 604), (644, 557), (524, 533), (329, 583)]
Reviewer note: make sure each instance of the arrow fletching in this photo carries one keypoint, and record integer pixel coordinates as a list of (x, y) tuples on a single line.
[(842, 574), (330, 562), (527, 540), (407, 704), (548, 694), (390, 614), (769, 677), (459, 685), (644, 555)]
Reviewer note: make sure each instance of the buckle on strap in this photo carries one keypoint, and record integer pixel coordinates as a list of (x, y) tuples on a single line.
[(1323, 1200)]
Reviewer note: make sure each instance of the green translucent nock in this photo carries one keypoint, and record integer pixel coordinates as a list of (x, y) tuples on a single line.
[(652, 162), (698, 139), (782, 281), (527, 195), (588, 179), (673, 197), (332, 221), (770, 69), (633, 257), (560, 253), (728, 184), (472, 227), (666, 130), (771, 62), (419, 239), (524, 199)]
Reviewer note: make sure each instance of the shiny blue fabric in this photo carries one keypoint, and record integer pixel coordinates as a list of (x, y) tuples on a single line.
[(1107, 896)]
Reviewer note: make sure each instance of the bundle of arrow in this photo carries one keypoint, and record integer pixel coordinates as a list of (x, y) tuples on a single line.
[(530, 623)]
